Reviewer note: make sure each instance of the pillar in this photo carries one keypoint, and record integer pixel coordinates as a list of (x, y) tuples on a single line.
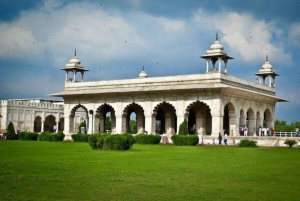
[(57, 123), (91, 122), (119, 124), (217, 125), (220, 61), (82, 76), (102, 124), (200, 124), (149, 124), (66, 125), (42, 128), (74, 76), (207, 65), (66, 76), (225, 61)]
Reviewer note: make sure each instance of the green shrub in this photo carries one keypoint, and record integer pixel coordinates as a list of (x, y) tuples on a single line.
[(185, 140), (82, 124), (11, 134), (111, 142), (183, 128), (290, 143), (80, 137), (29, 136), (147, 139), (247, 143), (48, 136)]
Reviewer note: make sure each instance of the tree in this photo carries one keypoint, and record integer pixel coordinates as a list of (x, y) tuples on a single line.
[(107, 123), (11, 134), (183, 128), (132, 126), (82, 124), (282, 126)]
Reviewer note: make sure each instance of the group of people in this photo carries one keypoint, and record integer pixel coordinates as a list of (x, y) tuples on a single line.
[(265, 131), (225, 138), (261, 131)]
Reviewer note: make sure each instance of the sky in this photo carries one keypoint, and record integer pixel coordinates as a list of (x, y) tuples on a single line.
[(114, 39)]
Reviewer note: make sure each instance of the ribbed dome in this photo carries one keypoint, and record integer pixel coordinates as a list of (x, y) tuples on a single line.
[(216, 46), (267, 67), (143, 74), (75, 60)]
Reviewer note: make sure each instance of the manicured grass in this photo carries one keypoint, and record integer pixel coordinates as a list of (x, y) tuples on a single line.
[(73, 171)]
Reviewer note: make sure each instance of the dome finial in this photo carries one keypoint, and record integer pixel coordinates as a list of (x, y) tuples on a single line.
[(75, 53), (217, 36), (267, 58)]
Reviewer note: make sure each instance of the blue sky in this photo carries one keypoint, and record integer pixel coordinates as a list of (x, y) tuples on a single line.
[(114, 39)]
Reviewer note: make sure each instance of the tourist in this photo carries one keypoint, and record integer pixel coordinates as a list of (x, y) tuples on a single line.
[(241, 130), (297, 132), (264, 132), (225, 139), (268, 132), (259, 131), (54, 129), (200, 138), (220, 139), (245, 131), (272, 131)]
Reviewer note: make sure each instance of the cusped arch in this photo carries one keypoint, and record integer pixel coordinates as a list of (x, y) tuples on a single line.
[(77, 107), (193, 104), (163, 105), (134, 106), (104, 108)]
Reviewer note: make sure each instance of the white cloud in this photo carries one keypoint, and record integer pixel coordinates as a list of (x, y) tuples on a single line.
[(246, 36), (294, 35)]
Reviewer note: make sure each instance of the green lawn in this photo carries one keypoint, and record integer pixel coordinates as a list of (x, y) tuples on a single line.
[(73, 171)]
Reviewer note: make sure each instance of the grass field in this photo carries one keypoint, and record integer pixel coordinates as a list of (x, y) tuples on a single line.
[(73, 171)]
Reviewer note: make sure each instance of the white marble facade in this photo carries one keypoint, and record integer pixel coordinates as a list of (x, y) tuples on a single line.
[(213, 102), (35, 115)]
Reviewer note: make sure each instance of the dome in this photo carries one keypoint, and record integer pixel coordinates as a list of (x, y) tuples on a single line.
[(267, 65), (143, 74), (216, 46)]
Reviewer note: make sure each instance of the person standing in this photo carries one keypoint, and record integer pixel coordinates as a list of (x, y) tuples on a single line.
[(259, 131), (297, 132), (220, 139), (200, 138), (245, 131), (54, 129), (225, 139)]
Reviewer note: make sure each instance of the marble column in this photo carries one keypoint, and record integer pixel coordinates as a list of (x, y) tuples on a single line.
[(42, 128)]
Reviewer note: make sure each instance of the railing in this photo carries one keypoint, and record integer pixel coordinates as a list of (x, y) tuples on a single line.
[(285, 134)]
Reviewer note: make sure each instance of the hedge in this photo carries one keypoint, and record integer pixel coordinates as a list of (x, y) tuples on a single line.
[(111, 142), (48, 136), (147, 139), (28, 136), (247, 143), (80, 137), (185, 140)]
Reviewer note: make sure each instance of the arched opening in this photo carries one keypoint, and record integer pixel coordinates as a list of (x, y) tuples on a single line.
[(105, 119), (250, 122), (133, 119), (165, 118), (49, 123), (61, 124), (199, 118), (37, 124), (192, 122), (226, 125), (267, 122), (79, 114)]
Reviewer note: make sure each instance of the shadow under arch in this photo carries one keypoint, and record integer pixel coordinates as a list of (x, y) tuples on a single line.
[(128, 124), (229, 119), (267, 121), (199, 118), (164, 115), (105, 119), (49, 123), (78, 114)]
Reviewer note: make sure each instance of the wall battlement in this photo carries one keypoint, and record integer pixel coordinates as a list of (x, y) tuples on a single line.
[(30, 104)]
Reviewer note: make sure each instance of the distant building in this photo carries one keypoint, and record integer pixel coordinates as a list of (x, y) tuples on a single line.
[(35, 115), (213, 102)]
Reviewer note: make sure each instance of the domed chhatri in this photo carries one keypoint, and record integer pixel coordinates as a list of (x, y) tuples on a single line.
[(267, 71), (214, 54), (74, 66), (143, 74)]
